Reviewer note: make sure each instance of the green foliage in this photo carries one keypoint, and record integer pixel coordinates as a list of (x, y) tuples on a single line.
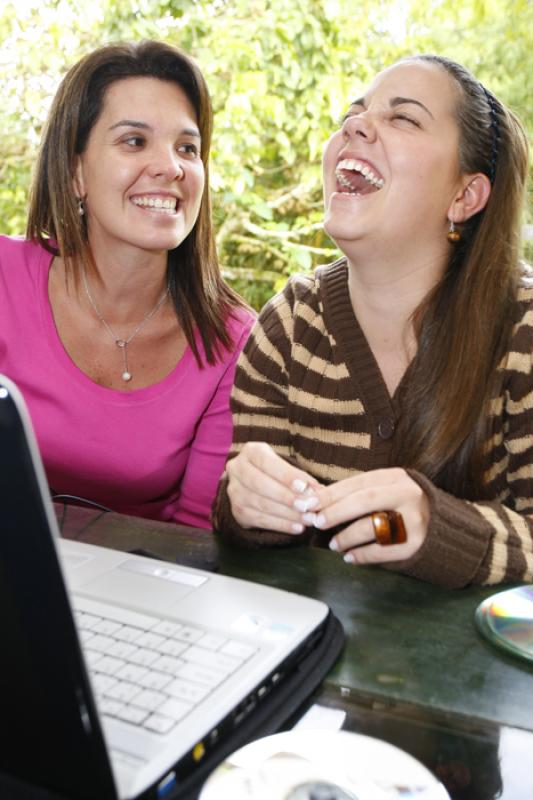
[(280, 73)]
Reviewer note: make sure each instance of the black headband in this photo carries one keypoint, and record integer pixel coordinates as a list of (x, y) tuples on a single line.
[(495, 130)]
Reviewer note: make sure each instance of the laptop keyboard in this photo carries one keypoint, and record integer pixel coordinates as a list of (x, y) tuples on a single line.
[(151, 672)]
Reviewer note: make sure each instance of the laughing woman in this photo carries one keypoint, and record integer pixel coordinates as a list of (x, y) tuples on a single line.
[(383, 405), (114, 319)]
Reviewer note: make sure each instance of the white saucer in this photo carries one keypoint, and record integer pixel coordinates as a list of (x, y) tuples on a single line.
[(322, 765)]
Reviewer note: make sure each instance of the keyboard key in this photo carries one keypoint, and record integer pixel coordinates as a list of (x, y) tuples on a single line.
[(144, 657), (132, 714), (103, 683), (85, 636), (166, 627), (168, 664), (87, 621), (201, 674), (171, 647), (208, 658), (128, 634), (211, 641), (159, 724), (106, 626), (109, 665), (175, 709), (123, 690), (151, 640), (238, 649), (185, 690), (124, 615), (101, 643), (155, 680), (132, 673), (188, 634), (148, 699), (110, 707), (122, 650), (92, 657)]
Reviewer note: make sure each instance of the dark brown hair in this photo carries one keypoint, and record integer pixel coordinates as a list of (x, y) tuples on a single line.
[(464, 326), (201, 298)]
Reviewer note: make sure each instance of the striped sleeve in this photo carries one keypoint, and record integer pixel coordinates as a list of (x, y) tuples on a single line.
[(490, 542), (260, 392), (259, 407)]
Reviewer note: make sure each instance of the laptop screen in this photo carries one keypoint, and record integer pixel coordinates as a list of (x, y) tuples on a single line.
[(50, 734)]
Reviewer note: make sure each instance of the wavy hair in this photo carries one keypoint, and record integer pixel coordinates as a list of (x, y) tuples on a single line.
[(464, 326)]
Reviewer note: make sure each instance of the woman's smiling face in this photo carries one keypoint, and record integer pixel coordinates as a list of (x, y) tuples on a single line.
[(392, 170), (141, 176)]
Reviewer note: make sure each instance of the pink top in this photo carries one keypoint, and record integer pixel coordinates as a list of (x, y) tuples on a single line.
[(156, 452)]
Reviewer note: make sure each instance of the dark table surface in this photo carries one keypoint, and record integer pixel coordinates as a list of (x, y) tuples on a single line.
[(414, 670)]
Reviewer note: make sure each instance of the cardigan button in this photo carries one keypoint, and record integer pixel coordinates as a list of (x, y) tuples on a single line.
[(386, 428)]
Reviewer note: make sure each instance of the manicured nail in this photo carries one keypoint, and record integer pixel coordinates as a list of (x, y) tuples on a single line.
[(297, 527), (299, 486), (349, 558), (305, 504), (333, 545), (309, 518), (320, 520)]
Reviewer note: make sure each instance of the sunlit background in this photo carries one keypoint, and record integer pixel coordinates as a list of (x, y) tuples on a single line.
[(281, 73)]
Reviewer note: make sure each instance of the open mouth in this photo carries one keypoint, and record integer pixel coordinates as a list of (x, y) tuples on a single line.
[(354, 177), (164, 205)]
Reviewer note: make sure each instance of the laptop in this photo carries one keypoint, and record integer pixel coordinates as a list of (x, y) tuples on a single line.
[(121, 674)]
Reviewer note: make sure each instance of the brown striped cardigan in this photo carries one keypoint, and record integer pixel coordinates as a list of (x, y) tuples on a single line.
[(308, 384)]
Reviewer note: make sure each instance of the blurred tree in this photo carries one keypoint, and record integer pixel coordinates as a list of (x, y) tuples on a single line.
[(281, 75)]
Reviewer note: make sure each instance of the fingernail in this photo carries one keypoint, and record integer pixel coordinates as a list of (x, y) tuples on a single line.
[(333, 545), (309, 518), (299, 486), (349, 558), (320, 520), (297, 527), (305, 504)]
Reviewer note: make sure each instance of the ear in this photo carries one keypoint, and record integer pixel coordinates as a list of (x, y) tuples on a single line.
[(77, 181), (471, 198)]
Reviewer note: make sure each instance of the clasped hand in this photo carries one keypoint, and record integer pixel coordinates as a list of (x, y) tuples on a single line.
[(267, 492)]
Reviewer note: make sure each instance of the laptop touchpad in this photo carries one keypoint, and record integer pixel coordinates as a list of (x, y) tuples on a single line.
[(144, 583)]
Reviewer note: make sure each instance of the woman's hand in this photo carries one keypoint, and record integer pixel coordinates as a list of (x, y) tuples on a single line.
[(353, 500), (263, 489)]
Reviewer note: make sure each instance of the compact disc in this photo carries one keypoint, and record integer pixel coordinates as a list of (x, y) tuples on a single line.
[(322, 765), (506, 619)]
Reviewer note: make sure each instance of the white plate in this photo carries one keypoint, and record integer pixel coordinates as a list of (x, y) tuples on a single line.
[(322, 765)]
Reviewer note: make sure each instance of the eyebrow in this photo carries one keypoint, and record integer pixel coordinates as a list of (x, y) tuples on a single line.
[(134, 123), (396, 101)]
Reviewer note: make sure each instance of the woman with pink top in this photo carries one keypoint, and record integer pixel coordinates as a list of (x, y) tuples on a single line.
[(114, 319)]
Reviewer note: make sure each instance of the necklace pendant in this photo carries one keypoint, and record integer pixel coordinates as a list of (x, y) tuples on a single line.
[(120, 343), (126, 376)]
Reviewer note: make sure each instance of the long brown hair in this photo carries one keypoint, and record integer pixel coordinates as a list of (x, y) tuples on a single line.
[(464, 326), (202, 299)]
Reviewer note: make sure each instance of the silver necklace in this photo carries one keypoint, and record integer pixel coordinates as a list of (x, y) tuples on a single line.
[(122, 344)]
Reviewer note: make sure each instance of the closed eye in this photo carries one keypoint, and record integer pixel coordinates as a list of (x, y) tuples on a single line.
[(406, 118)]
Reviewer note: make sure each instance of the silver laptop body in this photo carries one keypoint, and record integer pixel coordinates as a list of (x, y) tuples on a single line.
[(221, 644)]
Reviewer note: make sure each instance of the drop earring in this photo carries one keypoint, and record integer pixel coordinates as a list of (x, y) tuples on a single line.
[(453, 235), (81, 207)]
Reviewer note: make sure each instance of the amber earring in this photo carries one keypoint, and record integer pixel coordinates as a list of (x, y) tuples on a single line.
[(453, 235)]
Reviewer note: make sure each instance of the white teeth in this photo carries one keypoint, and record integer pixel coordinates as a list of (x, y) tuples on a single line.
[(167, 204), (355, 166)]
